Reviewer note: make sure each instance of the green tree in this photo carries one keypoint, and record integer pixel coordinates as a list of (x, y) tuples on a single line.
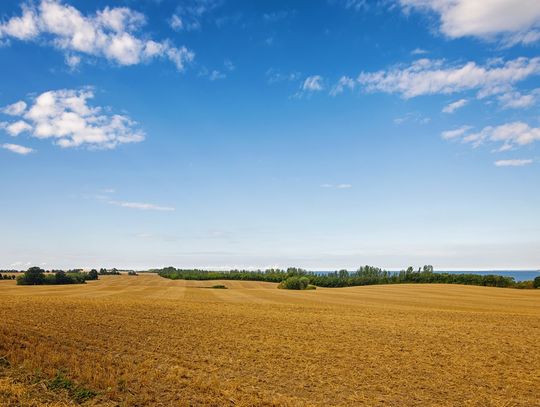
[(34, 276), (92, 275)]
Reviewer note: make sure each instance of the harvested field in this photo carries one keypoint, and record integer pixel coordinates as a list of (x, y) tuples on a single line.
[(150, 341)]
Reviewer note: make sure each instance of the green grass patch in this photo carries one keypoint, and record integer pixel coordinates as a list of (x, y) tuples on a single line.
[(76, 392)]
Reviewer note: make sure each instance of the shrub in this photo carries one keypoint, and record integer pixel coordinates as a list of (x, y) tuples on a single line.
[(536, 282), (60, 277), (524, 284)]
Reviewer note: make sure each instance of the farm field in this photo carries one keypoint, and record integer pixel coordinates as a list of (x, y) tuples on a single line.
[(147, 340)]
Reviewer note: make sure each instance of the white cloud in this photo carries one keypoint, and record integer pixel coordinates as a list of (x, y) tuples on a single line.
[(274, 76), (427, 77), (418, 51), (215, 75), (413, 117), (112, 33), (228, 64), (452, 107), (517, 100), (313, 84), (176, 23), (18, 149), (510, 135), (16, 109), (456, 133), (73, 61), (344, 83), (512, 163), (356, 5), (189, 14), (14, 129), (337, 186), (309, 86), (141, 206), (512, 21), (66, 117), (277, 15)]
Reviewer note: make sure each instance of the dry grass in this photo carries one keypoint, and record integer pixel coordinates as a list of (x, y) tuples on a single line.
[(151, 341)]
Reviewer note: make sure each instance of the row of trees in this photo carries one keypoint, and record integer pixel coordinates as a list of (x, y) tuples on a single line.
[(111, 272), (37, 276), (6, 277), (366, 275)]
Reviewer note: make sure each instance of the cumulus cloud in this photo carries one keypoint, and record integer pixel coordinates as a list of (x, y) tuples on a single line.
[(141, 206), (428, 77), (66, 117), (512, 21), (509, 135), (111, 33), (18, 149), (512, 163), (16, 128), (452, 107), (15, 109)]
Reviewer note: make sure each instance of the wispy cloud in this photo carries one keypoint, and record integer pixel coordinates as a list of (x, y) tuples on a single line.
[(111, 33), (518, 100), (413, 117), (337, 186), (509, 135), (190, 13), (452, 107), (310, 85), (430, 77), (276, 16), (274, 76), (18, 149), (141, 206), (456, 133), (513, 163), (344, 83), (418, 51)]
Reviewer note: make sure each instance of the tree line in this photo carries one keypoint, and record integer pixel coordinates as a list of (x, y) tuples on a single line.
[(38, 276), (365, 275)]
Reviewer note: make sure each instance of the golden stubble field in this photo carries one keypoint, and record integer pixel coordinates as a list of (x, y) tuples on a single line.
[(148, 341)]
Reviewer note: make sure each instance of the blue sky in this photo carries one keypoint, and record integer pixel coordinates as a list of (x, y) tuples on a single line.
[(322, 134)]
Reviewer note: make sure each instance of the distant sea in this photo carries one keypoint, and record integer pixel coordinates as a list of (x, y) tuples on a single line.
[(519, 275)]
